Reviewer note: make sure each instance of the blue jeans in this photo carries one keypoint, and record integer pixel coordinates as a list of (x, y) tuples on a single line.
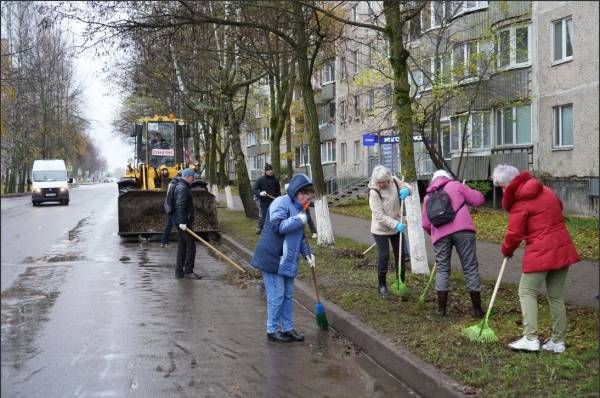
[(280, 304), (164, 239)]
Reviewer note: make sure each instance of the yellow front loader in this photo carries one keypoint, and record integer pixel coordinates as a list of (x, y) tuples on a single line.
[(160, 153)]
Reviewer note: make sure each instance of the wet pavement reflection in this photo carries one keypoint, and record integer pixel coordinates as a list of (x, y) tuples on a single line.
[(100, 317)]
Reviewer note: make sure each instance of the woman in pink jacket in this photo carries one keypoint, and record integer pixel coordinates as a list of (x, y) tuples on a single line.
[(458, 233)]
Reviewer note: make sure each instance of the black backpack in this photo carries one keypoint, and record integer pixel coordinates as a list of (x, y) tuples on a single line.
[(439, 207), (170, 199)]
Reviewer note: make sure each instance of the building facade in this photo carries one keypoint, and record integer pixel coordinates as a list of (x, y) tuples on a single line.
[(492, 82)]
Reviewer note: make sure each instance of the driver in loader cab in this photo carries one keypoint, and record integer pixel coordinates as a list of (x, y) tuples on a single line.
[(157, 142)]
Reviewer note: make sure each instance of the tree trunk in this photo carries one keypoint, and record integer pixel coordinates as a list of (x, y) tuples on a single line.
[(243, 181), (404, 124), (288, 148), (311, 119), (212, 165)]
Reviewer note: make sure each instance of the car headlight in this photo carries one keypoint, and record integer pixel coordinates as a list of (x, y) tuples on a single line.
[(64, 188), (37, 190)]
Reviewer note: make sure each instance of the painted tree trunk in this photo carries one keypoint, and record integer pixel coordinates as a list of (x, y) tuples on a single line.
[(229, 198), (214, 189), (325, 235), (416, 241)]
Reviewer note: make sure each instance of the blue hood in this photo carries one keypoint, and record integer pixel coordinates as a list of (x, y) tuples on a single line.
[(298, 182)]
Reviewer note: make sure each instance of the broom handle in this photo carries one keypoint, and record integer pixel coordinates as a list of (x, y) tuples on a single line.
[(489, 310), (369, 249), (401, 238), (314, 276), (431, 276), (230, 261)]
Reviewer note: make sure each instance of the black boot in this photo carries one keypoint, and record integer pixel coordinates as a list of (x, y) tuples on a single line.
[(442, 299), (476, 300), (279, 337), (383, 290)]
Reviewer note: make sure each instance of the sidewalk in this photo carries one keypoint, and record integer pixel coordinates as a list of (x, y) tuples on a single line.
[(582, 280)]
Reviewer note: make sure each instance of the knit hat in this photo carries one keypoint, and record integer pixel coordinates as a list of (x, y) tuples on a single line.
[(268, 166), (441, 173)]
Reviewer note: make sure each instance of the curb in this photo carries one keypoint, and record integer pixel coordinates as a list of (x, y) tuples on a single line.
[(425, 379), (15, 195)]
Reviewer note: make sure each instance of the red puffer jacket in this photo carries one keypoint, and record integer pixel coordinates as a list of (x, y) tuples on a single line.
[(535, 215)]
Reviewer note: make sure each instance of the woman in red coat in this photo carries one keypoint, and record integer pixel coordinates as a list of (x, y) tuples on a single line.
[(535, 216)]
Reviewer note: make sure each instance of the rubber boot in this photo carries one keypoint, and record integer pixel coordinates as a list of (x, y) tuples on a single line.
[(383, 290), (476, 300), (442, 299)]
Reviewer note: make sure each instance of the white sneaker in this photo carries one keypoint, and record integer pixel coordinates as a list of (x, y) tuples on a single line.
[(552, 346), (524, 344)]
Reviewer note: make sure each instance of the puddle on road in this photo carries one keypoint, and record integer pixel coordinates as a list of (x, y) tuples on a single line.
[(25, 309), (65, 258)]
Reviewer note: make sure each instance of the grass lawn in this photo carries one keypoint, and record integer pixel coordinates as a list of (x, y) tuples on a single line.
[(491, 225), (493, 370)]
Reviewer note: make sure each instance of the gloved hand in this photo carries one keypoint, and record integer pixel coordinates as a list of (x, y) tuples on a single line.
[(314, 236), (311, 260), (404, 193), (263, 193), (400, 228), (182, 227), (302, 217)]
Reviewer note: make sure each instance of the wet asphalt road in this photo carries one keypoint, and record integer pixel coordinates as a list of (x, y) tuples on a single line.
[(89, 315)]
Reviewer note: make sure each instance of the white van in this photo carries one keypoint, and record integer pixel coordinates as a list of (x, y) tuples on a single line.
[(49, 182)]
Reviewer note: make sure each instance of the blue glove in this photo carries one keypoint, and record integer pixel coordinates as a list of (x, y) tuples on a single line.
[(404, 193), (400, 228)]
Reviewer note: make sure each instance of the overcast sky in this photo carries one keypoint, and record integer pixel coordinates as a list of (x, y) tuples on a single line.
[(101, 104)]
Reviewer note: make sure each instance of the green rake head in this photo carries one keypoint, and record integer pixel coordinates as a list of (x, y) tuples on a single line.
[(481, 333), (398, 288)]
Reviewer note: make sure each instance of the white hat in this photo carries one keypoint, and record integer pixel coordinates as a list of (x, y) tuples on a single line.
[(441, 173)]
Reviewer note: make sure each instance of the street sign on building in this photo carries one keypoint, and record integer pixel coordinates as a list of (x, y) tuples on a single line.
[(369, 139)]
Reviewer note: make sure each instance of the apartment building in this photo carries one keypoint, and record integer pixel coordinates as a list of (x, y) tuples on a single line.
[(512, 82)]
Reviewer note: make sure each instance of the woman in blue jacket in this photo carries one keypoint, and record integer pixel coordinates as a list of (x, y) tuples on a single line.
[(276, 255)]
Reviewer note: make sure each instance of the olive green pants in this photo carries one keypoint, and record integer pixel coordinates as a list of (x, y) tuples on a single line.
[(528, 289)]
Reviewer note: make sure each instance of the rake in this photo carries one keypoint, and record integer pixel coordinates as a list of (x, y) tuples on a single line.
[(482, 332), (398, 287), (424, 294)]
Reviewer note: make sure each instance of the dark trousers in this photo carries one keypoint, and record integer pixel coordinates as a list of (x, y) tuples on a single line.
[(186, 253), (383, 246), (168, 227), (264, 208), (465, 243)]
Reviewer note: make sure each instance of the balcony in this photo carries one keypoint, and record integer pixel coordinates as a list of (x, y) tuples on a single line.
[(327, 132), (327, 92)]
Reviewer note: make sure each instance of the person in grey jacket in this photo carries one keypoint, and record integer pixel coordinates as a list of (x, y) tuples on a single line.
[(183, 216)]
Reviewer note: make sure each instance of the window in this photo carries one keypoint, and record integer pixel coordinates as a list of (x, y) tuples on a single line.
[(370, 100), (440, 69), (304, 155), (256, 162), (356, 106), (432, 15), (343, 69), (343, 111), (251, 138), (513, 125), (445, 141), (562, 49), (468, 60), (357, 151), (476, 129), (353, 14), (329, 72), (513, 47), (257, 110), (388, 94), (370, 54), (472, 5), (344, 153), (327, 151), (563, 126), (266, 134), (355, 62)]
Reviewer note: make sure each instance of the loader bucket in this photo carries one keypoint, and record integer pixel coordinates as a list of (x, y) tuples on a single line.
[(141, 213)]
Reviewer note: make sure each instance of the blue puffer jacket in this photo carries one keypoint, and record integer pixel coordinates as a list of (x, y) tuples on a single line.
[(282, 239)]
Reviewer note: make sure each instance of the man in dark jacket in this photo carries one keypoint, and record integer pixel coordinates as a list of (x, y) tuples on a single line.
[(266, 185), (183, 216)]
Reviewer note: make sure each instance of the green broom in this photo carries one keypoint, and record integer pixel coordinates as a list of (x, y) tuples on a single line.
[(482, 332), (398, 287), (424, 294)]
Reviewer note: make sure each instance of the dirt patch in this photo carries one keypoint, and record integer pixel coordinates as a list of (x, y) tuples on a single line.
[(348, 252)]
